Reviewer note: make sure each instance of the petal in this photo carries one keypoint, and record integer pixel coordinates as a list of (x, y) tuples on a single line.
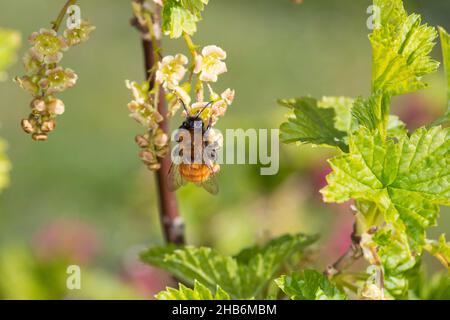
[(220, 67), (208, 77), (32, 37), (50, 32), (198, 63), (54, 58), (181, 59), (228, 96), (182, 94), (167, 59), (215, 51), (36, 54)]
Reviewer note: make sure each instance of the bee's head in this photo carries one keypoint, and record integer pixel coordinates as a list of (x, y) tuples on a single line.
[(191, 122)]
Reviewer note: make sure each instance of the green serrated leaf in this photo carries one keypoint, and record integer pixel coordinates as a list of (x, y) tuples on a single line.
[(342, 108), (181, 16), (401, 47), (243, 277), (309, 285), (311, 124), (407, 179), (399, 263), (200, 292)]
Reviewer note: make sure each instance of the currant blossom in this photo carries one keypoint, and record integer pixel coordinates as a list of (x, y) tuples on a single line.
[(31, 64), (140, 91), (209, 64), (141, 107), (58, 80), (78, 35), (220, 107), (171, 70), (47, 46)]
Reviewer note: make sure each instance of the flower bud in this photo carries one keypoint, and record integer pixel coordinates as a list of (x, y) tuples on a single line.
[(147, 157), (141, 141), (56, 106), (39, 137), (154, 167), (27, 126), (161, 139), (38, 104), (48, 126)]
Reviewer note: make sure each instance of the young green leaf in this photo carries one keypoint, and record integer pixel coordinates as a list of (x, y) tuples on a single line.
[(343, 111), (401, 47), (309, 285), (242, 277), (399, 263), (407, 179), (311, 124), (181, 16), (200, 292), (440, 249)]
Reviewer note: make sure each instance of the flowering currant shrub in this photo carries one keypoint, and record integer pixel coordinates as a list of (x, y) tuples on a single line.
[(396, 179), (45, 77)]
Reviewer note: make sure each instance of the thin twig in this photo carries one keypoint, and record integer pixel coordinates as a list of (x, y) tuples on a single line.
[(351, 255), (172, 224), (57, 23)]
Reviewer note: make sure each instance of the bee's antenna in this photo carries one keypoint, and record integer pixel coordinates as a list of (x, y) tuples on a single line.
[(203, 109), (184, 106)]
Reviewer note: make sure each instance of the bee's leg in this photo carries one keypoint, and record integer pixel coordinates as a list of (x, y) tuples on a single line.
[(209, 126)]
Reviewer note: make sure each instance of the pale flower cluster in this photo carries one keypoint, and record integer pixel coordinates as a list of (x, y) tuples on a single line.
[(208, 65), (45, 78)]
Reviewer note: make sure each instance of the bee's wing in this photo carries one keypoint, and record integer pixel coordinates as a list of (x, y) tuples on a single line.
[(211, 185), (175, 180)]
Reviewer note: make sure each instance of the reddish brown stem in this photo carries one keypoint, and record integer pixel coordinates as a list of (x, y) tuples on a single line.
[(172, 224), (352, 254)]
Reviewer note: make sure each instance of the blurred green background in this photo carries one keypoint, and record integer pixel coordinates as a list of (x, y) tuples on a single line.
[(86, 191)]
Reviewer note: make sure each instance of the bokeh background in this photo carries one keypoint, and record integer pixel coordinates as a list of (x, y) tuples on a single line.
[(84, 197)]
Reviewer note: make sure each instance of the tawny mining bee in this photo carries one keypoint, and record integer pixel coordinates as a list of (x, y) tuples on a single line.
[(194, 157)]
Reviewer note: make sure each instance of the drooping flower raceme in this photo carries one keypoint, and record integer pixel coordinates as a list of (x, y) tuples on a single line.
[(44, 77)]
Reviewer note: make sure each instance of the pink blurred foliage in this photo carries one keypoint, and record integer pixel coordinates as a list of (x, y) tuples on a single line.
[(70, 239), (146, 280), (415, 110), (340, 238)]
